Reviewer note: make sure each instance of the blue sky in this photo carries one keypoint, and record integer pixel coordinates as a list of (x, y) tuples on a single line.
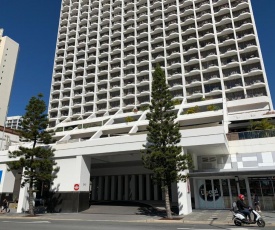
[(34, 23)]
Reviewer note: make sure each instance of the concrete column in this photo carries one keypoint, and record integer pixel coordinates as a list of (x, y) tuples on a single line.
[(126, 188), (119, 188), (94, 186), (184, 198), (184, 195), (156, 194), (132, 195), (196, 192), (83, 172), (106, 189), (148, 187), (140, 187), (249, 197), (23, 204), (174, 192), (113, 188), (162, 192), (100, 188)]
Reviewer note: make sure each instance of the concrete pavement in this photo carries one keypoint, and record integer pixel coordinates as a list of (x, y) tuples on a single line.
[(134, 214)]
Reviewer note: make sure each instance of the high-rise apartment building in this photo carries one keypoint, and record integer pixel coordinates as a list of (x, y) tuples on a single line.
[(105, 55), (8, 57), (107, 50), (14, 122)]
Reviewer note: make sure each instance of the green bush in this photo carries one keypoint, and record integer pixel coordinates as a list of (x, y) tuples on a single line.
[(129, 119), (213, 107), (60, 129), (177, 102), (144, 107), (192, 110), (89, 125)]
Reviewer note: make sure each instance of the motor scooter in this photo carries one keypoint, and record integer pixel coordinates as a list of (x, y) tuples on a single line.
[(239, 218)]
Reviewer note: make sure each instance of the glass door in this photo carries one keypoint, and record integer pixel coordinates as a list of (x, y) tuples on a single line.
[(210, 195)]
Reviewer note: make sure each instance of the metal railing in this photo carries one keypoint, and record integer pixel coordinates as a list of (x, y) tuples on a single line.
[(251, 134)]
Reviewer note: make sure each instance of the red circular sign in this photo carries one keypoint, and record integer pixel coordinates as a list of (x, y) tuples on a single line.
[(76, 187)]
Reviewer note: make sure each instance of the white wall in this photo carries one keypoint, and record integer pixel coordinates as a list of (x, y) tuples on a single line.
[(8, 57), (7, 180), (252, 145), (67, 175), (7, 139)]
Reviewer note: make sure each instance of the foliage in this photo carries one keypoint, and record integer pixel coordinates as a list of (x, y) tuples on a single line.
[(144, 107), (36, 161), (263, 124), (192, 110), (176, 102), (59, 129), (88, 125), (162, 153), (213, 107), (129, 119), (69, 128)]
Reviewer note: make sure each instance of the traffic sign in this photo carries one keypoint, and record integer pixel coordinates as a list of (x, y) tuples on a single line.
[(76, 187)]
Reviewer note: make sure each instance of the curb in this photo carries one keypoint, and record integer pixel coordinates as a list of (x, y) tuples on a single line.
[(207, 222)]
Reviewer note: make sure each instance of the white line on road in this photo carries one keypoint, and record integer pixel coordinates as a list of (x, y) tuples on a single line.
[(28, 222), (213, 229)]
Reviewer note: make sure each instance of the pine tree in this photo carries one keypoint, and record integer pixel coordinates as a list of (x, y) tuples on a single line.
[(162, 153), (36, 161)]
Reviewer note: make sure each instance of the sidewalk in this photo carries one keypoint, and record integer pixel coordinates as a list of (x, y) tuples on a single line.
[(212, 217)]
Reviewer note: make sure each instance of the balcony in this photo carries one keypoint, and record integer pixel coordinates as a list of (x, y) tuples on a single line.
[(251, 135)]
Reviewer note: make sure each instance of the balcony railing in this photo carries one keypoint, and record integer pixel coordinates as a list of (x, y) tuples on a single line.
[(251, 135)]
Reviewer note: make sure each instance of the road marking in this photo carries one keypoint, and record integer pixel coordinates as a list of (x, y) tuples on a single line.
[(27, 222), (213, 229)]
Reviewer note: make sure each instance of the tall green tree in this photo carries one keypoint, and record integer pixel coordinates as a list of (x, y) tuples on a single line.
[(36, 161), (162, 153)]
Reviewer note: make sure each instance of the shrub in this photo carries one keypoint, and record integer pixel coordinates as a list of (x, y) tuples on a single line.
[(177, 102), (129, 119), (213, 107), (191, 110), (144, 107)]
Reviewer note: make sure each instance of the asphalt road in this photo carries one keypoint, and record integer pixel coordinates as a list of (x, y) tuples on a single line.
[(14, 224)]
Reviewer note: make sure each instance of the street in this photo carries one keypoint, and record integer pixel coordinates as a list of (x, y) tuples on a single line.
[(31, 224)]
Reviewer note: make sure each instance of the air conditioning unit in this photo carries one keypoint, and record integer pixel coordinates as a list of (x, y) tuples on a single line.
[(208, 162)]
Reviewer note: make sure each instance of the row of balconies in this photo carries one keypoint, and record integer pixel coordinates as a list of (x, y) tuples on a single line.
[(195, 91), (177, 82), (249, 54), (251, 58), (182, 11), (198, 93), (216, 9), (99, 107), (184, 29)]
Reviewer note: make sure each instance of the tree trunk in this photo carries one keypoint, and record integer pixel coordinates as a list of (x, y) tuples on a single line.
[(167, 202), (31, 199)]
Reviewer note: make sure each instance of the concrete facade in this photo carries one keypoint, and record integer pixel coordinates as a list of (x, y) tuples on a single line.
[(14, 122), (8, 57), (105, 54)]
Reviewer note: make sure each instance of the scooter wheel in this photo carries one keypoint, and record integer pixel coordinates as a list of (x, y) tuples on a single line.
[(237, 223), (261, 223)]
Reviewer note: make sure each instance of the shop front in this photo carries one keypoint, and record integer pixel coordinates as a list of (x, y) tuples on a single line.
[(220, 193)]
